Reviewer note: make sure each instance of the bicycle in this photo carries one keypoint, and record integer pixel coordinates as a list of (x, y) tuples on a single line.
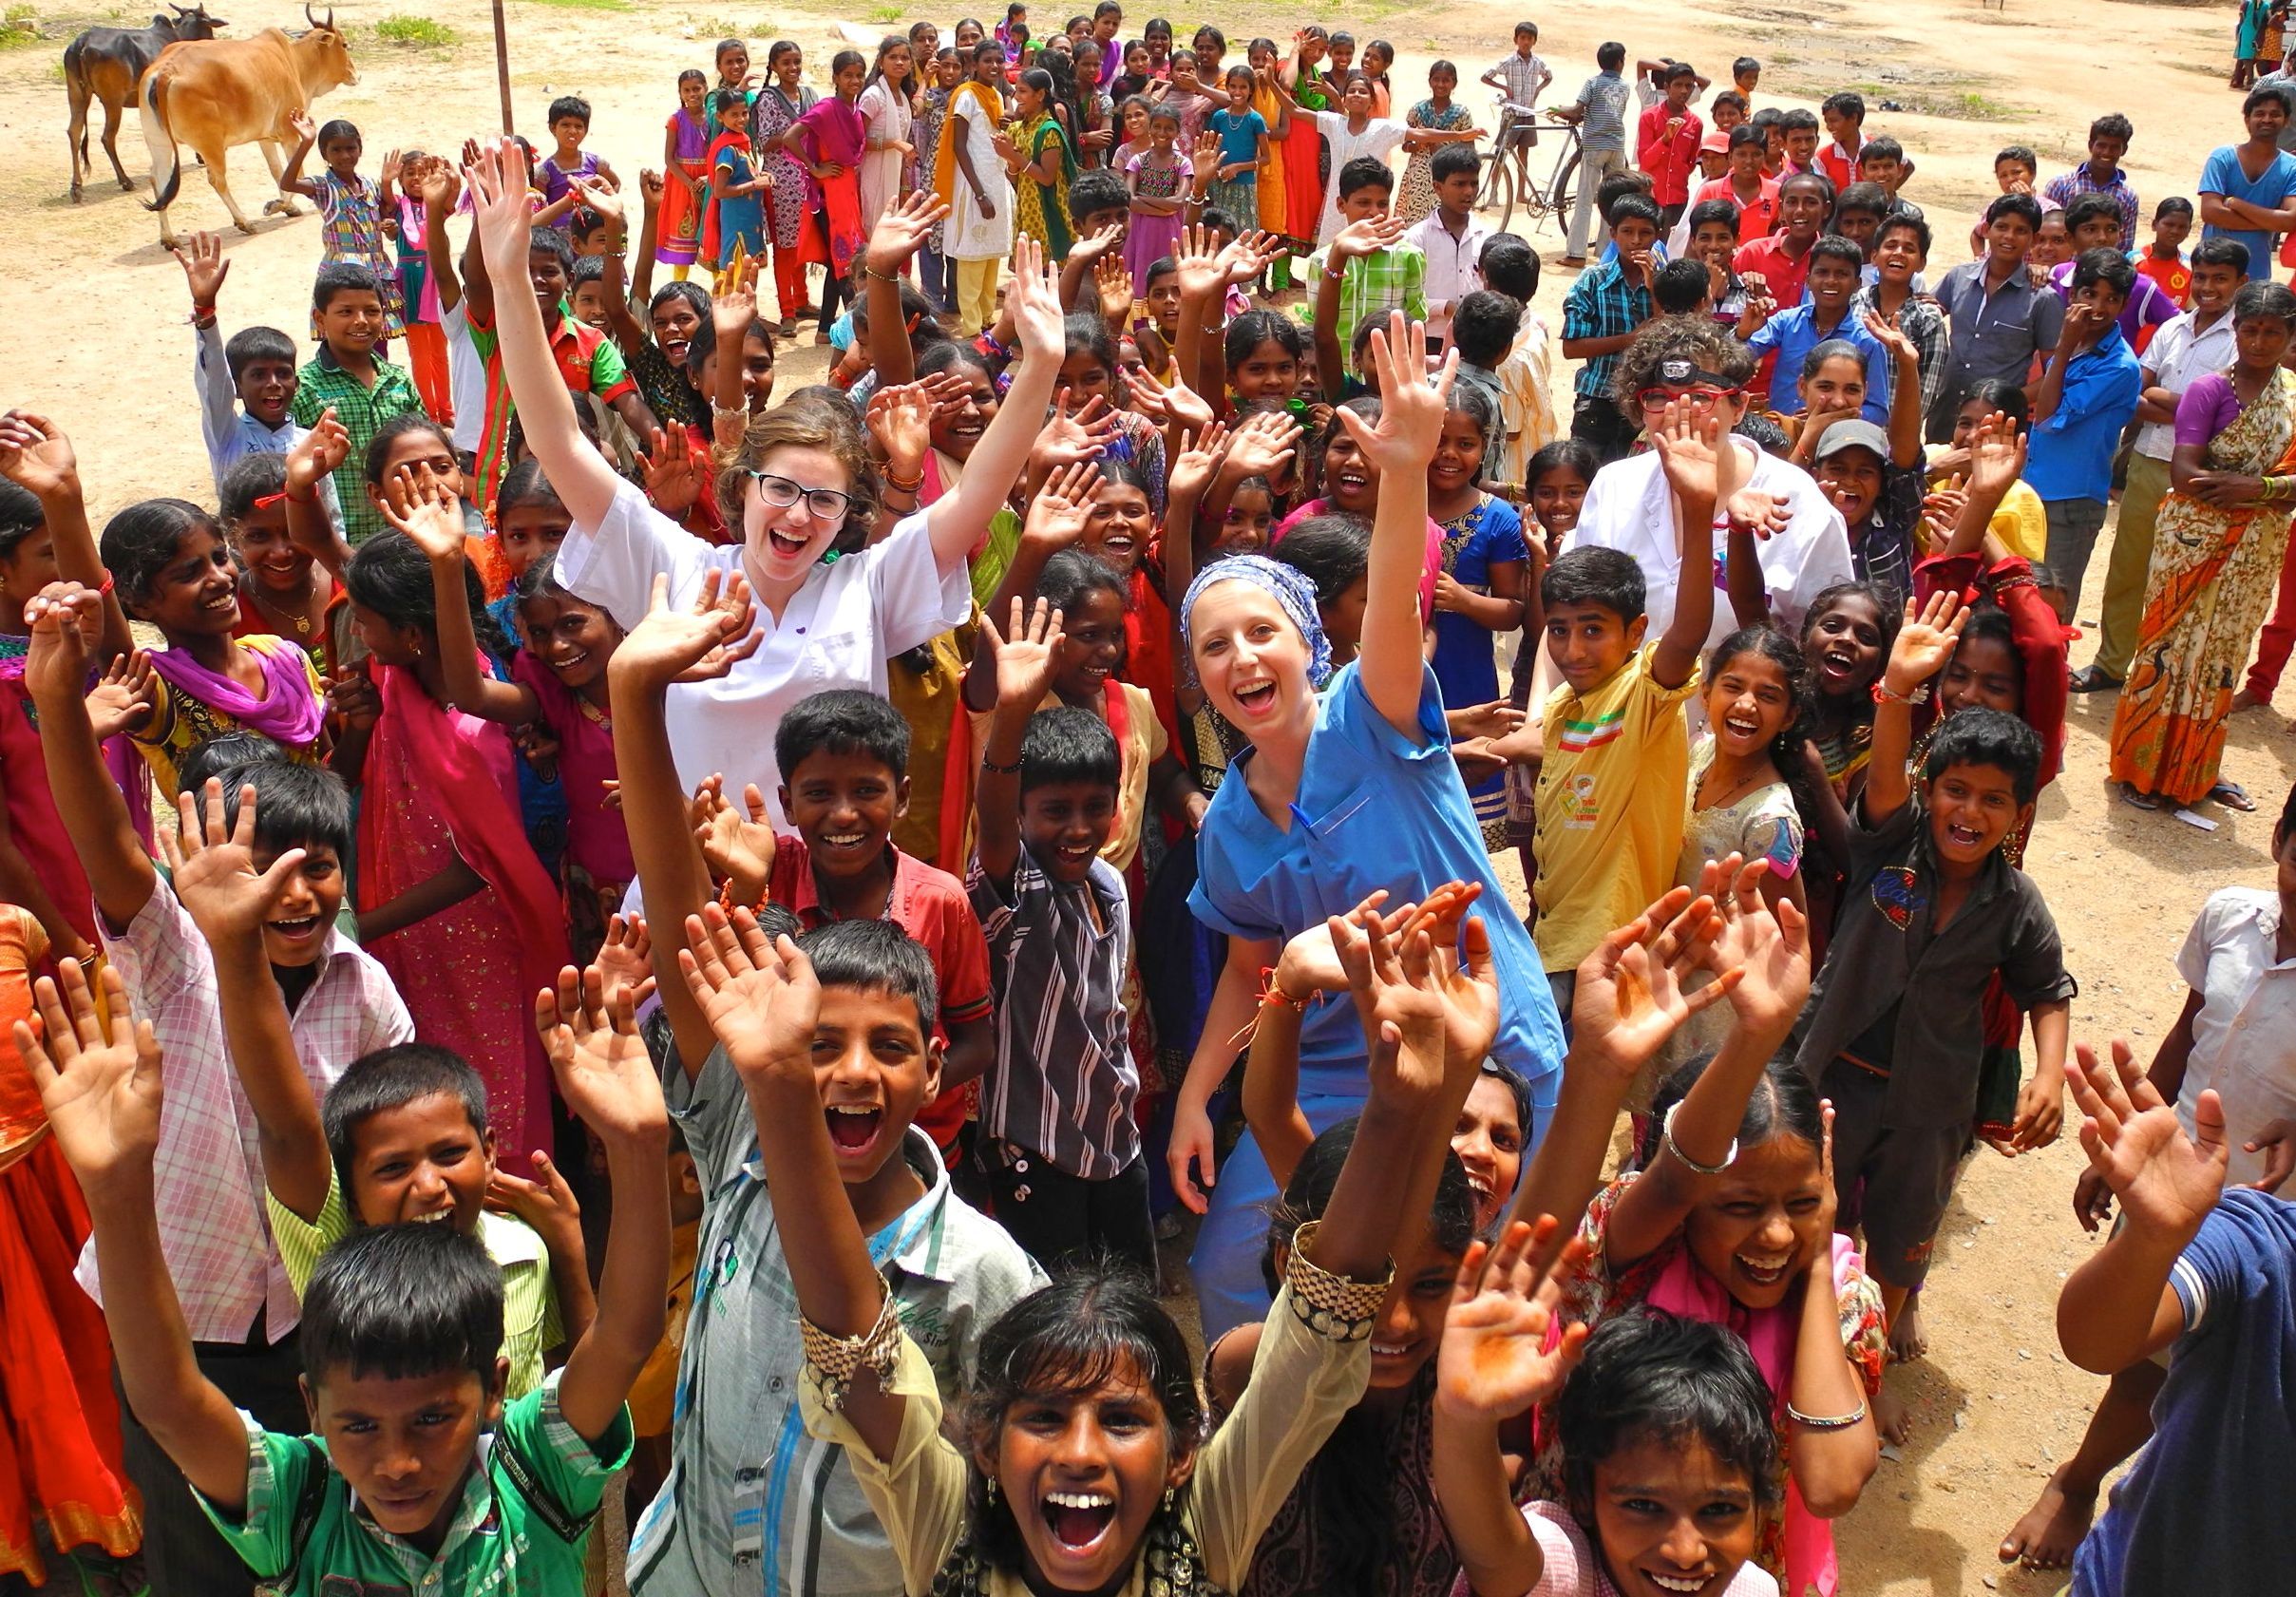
[(1508, 184)]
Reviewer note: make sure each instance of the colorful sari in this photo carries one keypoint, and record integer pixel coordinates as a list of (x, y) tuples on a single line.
[(2212, 582), (679, 240), (1275, 177), (442, 786), (835, 133), (1303, 161), (60, 1446), (1040, 209)]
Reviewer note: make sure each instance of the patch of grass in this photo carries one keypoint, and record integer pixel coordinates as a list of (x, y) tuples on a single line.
[(887, 14), (18, 28), (414, 32)]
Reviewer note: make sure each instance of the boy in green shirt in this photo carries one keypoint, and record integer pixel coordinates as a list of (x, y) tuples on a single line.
[(401, 1336)]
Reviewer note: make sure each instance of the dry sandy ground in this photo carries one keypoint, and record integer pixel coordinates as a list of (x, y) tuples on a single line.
[(91, 331)]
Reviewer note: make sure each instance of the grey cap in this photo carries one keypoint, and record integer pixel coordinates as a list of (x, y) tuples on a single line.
[(1856, 434)]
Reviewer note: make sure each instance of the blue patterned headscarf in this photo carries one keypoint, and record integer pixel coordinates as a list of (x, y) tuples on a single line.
[(1291, 589)]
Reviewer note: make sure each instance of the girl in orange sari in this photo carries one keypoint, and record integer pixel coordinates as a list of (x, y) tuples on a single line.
[(2223, 529)]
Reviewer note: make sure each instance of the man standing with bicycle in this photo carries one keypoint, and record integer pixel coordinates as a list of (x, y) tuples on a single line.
[(1600, 113)]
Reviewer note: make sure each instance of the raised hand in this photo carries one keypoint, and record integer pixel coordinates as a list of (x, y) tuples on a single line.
[(760, 999), (1246, 255), (692, 645), (900, 420), (1760, 512), (1191, 470), (1925, 643), (1204, 160), (418, 503), (1634, 990), (1694, 450), (600, 1063), (2167, 1182), (676, 474), (1397, 989), (124, 696), (1095, 246), (300, 125), (66, 622), (1024, 654), (1892, 337), (36, 456), (1264, 444), (548, 1204), (738, 849), (736, 306), (1173, 403), (441, 187), (600, 197), (204, 268), (99, 1078), (214, 866), (498, 197), (318, 453), (626, 958), (1496, 1361), (1069, 438), (1062, 507), (1410, 416), (903, 229), (1367, 236), (1114, 281), (1996, 456), (651, 187), (1769, 949), (1033, 300), (1198, 262)]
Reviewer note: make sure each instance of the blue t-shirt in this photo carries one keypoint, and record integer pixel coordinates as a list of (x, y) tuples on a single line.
[(1793, 333), (2204, 1506), (1373, 812), (2221, 174), (1239, 137), (2072, 452)]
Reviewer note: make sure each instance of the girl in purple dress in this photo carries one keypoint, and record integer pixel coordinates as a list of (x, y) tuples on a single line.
[(772, 114)]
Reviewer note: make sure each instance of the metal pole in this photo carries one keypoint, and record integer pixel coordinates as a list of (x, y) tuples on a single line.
[(502, 63)]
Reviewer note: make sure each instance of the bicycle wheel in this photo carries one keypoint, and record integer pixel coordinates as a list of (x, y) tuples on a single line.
[(1501, 193), (1565, 185)]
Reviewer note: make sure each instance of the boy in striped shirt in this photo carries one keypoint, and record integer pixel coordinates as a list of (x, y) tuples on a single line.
[(1614, 746)]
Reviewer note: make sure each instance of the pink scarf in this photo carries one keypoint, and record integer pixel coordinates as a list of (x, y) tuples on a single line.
[(1684, 1288), (287, 712)]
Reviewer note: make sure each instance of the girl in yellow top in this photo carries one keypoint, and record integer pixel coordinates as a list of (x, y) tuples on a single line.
[(1082, 1470)]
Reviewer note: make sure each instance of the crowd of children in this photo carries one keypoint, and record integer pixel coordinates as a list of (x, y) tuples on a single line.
[(1036, 793)]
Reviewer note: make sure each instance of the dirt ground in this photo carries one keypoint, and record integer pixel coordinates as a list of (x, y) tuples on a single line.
[(92, 333)]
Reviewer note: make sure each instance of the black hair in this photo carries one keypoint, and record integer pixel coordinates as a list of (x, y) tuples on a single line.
[(1256, 326), (391, 575), (1799, 121), (1754, 139), (1082, 332), (1333, 551), (948, 355), (1988, 738), (842, 721), (522, 485), (1869, 198), (226, 751), (2021, 205), (1999, 393), (1453, 159), (139, 543), (2023, 153), (1707, 211), (250, 344), (1905, 220), (1648, 1376), (391, 1078), (1365, 406), (1476, 405), (1065, 744), (2263, 92), (1071, 574), (2112, 125), (587, 269), (334, 128), (1830, 348), (550, 241), (1610, 189), (2103, 265), (540, 580), (568, 105), (1573, 454), (2091, 208), (1742, 65), (1763, 432), (1483, 325), (1783, 1103), (340, 277), (1632, 206), (1610, 55), (1846, 103), (1217, 220), (1090, 1328), (1509, 266), (1883, 148), (1784, 652), (1096, 190), (2175, 205), (1682, 286), (378, 448), (875, 957), (1835, 247), (1728, 97), (725, 99), (251, 477), (1675, 70), (401, 1301), (1592, 575), (297, 806), (1365, 172), (1766, 118), (1346, 1485), (2222, 251)]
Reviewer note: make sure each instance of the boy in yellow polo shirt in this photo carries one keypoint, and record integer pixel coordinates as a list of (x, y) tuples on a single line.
[(1615, 749)]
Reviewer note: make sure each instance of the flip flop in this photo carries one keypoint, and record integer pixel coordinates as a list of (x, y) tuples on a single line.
[(2140, 801), (2233, 796)]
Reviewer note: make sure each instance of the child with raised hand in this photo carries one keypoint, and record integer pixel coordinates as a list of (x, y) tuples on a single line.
[(2201, 1273), (451, 899), (1372, 742), (1003, 1513), (1898, 1046), (950, 1267), (355, 216), (1670, 1463), (402, 1325), (798, 486), (402, 1133)]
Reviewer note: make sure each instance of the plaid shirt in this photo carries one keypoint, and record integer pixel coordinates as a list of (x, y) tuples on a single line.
[(362, 410), (2062, 191), (1374, 285), (207, 1175), (1526, 77), (1920, 321), (1601, 304)]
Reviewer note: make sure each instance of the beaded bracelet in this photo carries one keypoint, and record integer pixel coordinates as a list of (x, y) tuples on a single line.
[(1332, 1305), (837, 1360), (1826, 1422), (1666, 1141)]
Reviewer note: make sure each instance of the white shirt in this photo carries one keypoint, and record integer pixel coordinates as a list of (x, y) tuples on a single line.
[(837, 630), (1379, 139), (2177, 354), (1630, 509), (2244, 1038), (1453, 266), (465, 378)]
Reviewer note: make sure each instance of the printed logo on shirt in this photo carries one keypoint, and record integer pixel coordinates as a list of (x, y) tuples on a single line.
[(1580, 811), (1897, 894), (1580, 736)]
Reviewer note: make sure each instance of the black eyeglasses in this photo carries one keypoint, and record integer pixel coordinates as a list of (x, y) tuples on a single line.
[(822, 504)]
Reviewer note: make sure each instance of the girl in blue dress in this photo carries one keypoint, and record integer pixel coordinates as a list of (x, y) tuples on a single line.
[(1478, 587), (1349, 786)]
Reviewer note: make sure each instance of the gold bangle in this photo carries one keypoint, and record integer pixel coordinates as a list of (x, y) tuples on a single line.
[(1332, 1305), (835, 1360)]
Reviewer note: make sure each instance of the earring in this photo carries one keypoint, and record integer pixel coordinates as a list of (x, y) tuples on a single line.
[(1169, 1495), (992, 1491)]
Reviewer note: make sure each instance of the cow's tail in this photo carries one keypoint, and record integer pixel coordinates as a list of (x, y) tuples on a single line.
[(166, 167)]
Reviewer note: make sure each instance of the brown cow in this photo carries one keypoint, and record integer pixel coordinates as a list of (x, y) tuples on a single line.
[(224, 92), (106, 64)]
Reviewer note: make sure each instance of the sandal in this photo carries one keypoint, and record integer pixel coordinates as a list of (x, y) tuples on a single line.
[(2233, 796), (789, 327), (2130, 795), (2087, 679)]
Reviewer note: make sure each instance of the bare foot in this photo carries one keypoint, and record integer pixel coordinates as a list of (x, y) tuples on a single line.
[(1905, 1339), (2246, 700), (1891, 1416), (2051, 1529)]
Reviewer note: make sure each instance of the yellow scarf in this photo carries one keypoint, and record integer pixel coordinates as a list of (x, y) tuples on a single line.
[(944, 154)]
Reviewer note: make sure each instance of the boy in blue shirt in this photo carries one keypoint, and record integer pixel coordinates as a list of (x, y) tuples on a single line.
[(1601, 315), (2251, 209), (2087, 397), (1836, 272)]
